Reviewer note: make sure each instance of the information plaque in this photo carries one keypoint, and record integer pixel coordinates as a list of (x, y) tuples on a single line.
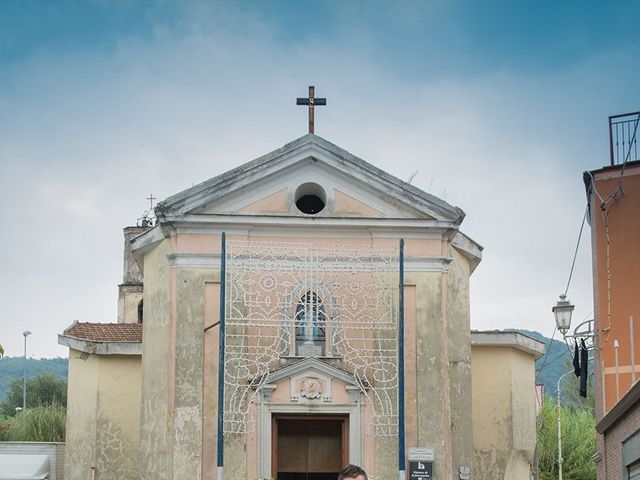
[(421, 464)]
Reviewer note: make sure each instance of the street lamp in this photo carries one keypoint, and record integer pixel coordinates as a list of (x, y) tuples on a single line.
[(26, 333), (562, 312)]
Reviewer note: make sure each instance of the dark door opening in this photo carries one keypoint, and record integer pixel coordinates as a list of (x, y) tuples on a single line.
[(309, 447)]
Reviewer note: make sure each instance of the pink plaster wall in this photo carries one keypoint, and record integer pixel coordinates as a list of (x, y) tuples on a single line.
[(210, 380), (344, 204), (274, 203)]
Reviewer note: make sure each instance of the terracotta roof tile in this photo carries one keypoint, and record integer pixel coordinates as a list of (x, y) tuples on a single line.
[(106, 332)]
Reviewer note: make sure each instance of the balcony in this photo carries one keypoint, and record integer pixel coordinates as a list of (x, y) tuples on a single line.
[(623, 143)]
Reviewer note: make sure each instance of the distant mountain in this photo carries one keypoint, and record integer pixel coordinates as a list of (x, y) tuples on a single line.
[(11, 368)]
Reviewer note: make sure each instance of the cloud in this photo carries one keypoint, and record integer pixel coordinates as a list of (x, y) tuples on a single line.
[(87, 134)]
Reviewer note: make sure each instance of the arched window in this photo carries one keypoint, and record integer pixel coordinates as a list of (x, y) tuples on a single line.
[(310, 322)]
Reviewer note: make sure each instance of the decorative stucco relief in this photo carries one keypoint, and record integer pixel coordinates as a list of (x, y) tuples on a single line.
[(311, 388)]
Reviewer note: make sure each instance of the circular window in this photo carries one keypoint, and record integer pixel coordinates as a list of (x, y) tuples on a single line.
[(310, 198)]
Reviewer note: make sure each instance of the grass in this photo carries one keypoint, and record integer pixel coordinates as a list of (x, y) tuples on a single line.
[(38, 424)]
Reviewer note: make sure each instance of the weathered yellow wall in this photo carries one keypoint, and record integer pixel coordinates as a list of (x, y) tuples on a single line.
[(82, 411), (118, 417), (524, 405), (504, 424), (188, 380), (103, 416), (157, 352), (441, 387), (174, 422), (459, 361), (128, 307)]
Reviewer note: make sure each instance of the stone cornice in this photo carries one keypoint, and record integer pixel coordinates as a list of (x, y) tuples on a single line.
[(285, 220), (101, 348), (515, 340), (212, 261)]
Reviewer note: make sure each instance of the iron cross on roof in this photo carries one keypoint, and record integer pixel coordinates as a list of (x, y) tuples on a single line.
[(151, 198), (311, 101)]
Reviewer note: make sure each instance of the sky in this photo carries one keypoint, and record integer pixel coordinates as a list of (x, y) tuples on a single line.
[(499, 106)]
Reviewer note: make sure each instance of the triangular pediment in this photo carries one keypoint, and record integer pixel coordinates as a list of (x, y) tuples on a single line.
[(311, 366), (270, 184), (313, 380)]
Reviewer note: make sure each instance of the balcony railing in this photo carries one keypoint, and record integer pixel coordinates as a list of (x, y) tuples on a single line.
[(623, 140)]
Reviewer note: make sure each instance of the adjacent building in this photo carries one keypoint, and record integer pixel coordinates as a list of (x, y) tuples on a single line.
[(613, 195)]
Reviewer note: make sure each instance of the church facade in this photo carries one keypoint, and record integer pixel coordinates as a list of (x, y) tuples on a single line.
[(338, 289)]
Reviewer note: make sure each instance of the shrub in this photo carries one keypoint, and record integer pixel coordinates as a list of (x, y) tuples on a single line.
[(38, 424), (578, 442)]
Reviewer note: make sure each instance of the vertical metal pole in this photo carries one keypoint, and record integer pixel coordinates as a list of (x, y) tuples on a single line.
[(610, 142), (616, 345), (24, 375), (604, 390), (633, 353), (401, 447), (560, 459), (220, 438), (559, 433)]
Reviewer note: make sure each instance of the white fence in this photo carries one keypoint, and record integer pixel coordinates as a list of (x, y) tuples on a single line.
[(53, 450)]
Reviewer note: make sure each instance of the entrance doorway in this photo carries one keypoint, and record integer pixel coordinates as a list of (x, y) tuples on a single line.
[(309, 447)]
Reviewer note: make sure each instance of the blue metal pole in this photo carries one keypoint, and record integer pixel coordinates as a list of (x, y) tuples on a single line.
[(220, 437), (401, 446)]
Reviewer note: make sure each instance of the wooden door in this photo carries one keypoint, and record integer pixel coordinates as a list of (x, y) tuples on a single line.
[(309, 447)]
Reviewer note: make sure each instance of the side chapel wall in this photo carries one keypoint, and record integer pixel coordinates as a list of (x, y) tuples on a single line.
[(504, 423), (103, 416), (459, 361), (82, 410)]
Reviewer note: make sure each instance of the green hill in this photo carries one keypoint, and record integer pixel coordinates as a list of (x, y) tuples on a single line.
[(553, 364), (11, 368)]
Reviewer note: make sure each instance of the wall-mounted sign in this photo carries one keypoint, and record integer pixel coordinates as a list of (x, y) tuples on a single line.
[(421, 464)]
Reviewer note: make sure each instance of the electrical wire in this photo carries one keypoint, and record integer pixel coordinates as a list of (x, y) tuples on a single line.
[(509, 308), (613, 196), (575, 254), (546, 354), (605, 218)]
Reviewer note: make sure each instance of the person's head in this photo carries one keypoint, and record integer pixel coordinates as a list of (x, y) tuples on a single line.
[(352, 472)]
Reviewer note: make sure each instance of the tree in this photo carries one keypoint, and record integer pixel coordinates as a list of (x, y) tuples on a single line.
[(571, 389), (44, 390), (14, 367), (1, 351), (578, 441)]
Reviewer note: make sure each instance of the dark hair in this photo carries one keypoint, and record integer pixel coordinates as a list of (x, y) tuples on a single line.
[(351, 471)]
